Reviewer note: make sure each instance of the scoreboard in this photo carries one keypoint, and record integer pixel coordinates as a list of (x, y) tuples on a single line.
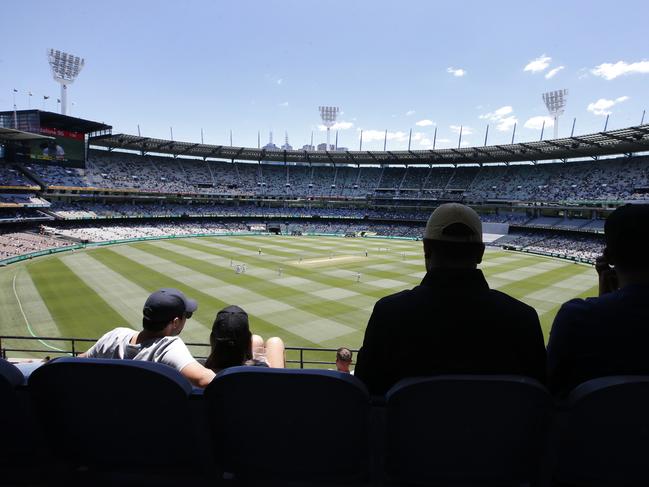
[(68, 136)]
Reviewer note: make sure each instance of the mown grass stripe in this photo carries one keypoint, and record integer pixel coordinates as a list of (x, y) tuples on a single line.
[(192, 272), (311, 274), (208, 305), (77, 310)]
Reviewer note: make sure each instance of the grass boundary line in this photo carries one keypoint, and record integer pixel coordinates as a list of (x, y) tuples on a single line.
[(29, 328)]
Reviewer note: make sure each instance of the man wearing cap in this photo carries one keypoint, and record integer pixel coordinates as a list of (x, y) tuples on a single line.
[(165, 314), (607, 335), (452, 323)]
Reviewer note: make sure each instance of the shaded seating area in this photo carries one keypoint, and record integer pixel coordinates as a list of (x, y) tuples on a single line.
[(108, 422), (289, 425), (467, 430)]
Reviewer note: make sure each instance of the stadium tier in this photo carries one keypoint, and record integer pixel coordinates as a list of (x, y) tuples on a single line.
[(610, 180)]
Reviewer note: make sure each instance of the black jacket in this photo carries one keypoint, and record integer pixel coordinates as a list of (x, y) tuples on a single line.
[(450, 324), (596, 337)]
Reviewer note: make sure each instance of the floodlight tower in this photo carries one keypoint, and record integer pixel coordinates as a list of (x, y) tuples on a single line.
[(65, 69), (328, 115), (555, 101)]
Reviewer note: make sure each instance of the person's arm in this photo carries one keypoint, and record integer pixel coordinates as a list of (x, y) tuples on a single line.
[(198, 375)]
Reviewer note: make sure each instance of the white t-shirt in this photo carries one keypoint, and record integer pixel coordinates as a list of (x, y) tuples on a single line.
[(170, 351)]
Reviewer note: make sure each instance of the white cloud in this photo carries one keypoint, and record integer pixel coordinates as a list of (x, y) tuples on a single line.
[(457, 72), (284, 104), (502, 117), (337, 126), (602, 106), (410, 112), (374, 135), (536, 123), (553, 72), (424, 123), (506, 124), (497, 114), (465, 130), (611, 71), (279, 81), (538, 64)]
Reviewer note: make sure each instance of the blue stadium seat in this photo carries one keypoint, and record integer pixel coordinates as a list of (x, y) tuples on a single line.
[(11, 415), (289, 425), (115, 418), (467, 430), (605, 440), (20, 453)]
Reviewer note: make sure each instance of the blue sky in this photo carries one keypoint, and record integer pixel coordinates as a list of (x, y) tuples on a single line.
[(267, 65)]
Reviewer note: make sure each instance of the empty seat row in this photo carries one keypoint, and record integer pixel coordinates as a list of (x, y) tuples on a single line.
[(124, 422)]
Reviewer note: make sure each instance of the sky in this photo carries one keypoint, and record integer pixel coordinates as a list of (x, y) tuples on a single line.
[(260, 66)]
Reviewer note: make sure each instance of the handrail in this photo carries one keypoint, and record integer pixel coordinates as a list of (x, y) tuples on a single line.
[(74, 349)]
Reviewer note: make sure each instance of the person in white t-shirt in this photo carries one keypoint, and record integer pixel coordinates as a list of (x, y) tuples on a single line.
[(165, 313)]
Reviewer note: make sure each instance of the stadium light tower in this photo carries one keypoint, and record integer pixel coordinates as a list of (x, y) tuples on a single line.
[(555, 101), (65, 69), (328, 115)]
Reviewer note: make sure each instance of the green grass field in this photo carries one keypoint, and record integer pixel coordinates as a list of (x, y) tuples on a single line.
[(315, 302)]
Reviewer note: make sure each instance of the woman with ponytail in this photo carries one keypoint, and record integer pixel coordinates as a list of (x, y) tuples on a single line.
[(233, 344)]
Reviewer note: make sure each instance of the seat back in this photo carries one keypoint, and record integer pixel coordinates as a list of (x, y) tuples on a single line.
[(114, 414), (289, 424), (466, 429), (12, 417), (606, 437)]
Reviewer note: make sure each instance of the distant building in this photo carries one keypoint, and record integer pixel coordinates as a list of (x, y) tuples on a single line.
[(308, 147), (323, 147), (342, 149), (270, 144), (286, 145)]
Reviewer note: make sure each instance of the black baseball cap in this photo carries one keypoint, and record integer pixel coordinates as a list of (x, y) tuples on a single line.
[(231, 322), (166, 304), (626, 232)]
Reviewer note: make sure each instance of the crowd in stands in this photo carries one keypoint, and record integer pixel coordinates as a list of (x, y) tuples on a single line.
[(102, 233), (13, 244), (574, 245), (603, 180), (22, 214), (10, 176), (24, 199)]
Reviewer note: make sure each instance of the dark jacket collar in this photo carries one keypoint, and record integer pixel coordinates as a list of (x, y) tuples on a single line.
[(464, 279)]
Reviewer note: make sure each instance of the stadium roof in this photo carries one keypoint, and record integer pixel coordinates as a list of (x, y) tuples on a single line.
[(58, 121), (622, 141), (12, 135), (74, 124)]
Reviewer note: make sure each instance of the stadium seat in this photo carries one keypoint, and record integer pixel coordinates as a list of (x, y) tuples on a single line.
[(117, 421), (289, 425), (10, 409), (605, 440), (20, 455), (467, 430)]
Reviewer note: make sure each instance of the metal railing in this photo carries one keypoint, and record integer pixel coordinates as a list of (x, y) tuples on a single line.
[(297, 357)]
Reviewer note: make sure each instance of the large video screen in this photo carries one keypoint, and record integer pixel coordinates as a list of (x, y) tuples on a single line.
[(66, 146)]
